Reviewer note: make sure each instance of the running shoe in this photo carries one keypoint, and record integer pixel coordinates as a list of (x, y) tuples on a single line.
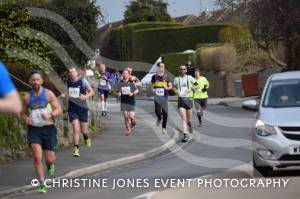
[(88, 143), (50, 170), (190, 128), (158, 123), (128, 132), (133, 123), (42, 189), (185, 138), (76, 152), (164, 131)]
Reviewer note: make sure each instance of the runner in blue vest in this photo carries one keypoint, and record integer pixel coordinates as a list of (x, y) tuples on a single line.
[(161, 84), (40, 105), (79, 90), (9, 97)]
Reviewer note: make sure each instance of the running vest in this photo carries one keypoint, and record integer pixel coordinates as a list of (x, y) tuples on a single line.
[(184, 86), (104, 84), (75, 88), (199, 94), (38, 105), (159, 85)]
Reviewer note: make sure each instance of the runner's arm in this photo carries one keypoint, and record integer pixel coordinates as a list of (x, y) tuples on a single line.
[(54, 103), (175, 86), (90, 90), (136, 81), (11, 103), (25, 112), (169, 85), (9, 97)]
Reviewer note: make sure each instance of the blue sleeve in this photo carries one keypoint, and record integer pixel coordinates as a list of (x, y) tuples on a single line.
[(108, 75), (6, 85)]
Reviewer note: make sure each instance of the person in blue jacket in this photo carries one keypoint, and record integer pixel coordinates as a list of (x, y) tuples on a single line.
[(9, 97)]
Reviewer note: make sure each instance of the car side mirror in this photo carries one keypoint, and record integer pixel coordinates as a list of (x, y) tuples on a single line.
[(250, 104)]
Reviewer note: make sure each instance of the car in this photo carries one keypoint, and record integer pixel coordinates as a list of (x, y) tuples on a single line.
[(276, 135)]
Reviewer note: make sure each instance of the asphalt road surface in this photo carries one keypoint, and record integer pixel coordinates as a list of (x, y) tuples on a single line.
[(223, 142)]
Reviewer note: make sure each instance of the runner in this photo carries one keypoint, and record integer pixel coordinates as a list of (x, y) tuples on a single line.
[(133, 78), (200, 94), (9, 97), (127, 90), (183, 87), (161, 84), (104, 88), (39, 107), (79, 90), (190, 69)]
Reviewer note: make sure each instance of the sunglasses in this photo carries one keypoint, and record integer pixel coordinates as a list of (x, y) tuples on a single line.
[(182, 69)]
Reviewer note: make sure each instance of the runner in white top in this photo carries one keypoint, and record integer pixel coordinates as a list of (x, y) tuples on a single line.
[(183, 88)]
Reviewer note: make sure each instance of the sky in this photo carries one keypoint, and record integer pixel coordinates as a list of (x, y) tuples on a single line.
[(114, 9)]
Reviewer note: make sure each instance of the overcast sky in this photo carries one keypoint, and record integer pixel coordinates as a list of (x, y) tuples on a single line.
[(115, 8)]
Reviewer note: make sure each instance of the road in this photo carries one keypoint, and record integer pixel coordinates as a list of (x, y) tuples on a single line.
[(215, 148)]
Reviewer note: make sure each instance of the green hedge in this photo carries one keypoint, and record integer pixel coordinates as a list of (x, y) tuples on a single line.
[(197, 56), (149, 44), (120, 39), (174, 60)]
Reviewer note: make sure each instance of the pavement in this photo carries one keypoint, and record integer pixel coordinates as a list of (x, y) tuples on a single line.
[(111, 148)]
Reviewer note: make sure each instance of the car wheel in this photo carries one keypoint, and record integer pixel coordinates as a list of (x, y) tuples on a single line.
[(261, 171)]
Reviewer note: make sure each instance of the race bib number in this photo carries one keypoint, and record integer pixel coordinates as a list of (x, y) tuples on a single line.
[(125, 90), (184, 92), (74, 92), (36, 117), (103, 83), (160, 91), (197, 89)]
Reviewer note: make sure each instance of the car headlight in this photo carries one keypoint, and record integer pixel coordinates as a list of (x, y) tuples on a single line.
[(263, 129)]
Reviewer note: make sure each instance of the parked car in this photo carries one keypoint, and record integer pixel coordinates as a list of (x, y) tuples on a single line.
[(276, 135)]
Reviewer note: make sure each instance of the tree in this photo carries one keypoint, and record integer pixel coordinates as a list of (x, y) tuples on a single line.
[(82, 15), (232, 4), (12, 18), (277, 22), (146, 10)]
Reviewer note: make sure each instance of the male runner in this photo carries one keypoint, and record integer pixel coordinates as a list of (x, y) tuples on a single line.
[(79, 90), (126, 91), (161, 84), (39, 107), (183, 87), (104, 88)]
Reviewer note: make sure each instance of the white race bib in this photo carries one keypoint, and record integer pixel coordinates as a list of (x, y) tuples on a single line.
[(184, 92), (125, 90), (197, 89), (103, 83), (74, 92), (160, 91), (36, 117)]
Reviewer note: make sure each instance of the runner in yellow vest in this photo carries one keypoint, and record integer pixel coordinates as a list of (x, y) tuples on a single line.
[(200, 94)]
